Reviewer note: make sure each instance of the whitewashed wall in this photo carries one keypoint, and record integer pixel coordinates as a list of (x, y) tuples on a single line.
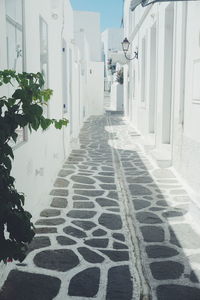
[(162, 98)]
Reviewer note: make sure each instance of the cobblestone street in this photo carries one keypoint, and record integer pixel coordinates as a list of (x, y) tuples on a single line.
[(117, 227)]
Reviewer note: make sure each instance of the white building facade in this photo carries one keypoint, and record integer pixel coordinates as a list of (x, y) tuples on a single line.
[(162, 87), (39, 36)]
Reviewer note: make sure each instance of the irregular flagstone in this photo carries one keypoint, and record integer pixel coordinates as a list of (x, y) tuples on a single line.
[(86, 225), (177, 292), (85, 283), (64, 241), (108, 186), (98, 242), (81, 214), (39, 242), (50, 222), (83, 205), (64, 173), (59, 192), (59, 202), (60, 260), (45, 230), (90, 256), (74, 232), (89, 193), (117, 245), (148, 218), (116, 255), (99, 232), (83, 186), (106, 202), (166, 270), (160, 251), (139, 179), (106, 173), (113, 209), (113, 195), (110, 221), (60, 182), (50, 213), (27, 286), (120, 286), (139, 190), (105, 179), (82, 179), (79, 198), (119, 237), (153, 233), (140, 204)]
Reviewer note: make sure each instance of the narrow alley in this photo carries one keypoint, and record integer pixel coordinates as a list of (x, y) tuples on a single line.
[(117, 227)]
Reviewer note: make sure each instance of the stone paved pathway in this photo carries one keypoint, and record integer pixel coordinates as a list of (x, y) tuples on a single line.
[(117, 227)]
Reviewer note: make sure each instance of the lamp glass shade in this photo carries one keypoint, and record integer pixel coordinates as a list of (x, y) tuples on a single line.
[(125, 45)]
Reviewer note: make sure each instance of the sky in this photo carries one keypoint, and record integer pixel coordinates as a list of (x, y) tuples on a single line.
[(111, 10)]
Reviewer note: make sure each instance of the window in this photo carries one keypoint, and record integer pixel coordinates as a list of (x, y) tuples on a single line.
[(15, 53), (44, 66)]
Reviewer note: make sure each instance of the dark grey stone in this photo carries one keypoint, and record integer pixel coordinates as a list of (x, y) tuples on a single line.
[(160, 251), (173, 214), (139, 190), (74, 232), (38, 242), (59, 202), (110, 221), (193, 276), (177, 292), (113, 209), (163, 270), (81, 214), (108, 186), (86, 225), (116, 255), (139, 179), (153, 233), (45, 230), (50, 213), (184, 236), (100, 243), (140, 204), (154, 208), (64, 173), (119, 237), (162, 203), (90, 256), (65, 241), (120, 286), (106, 173), (50, 222), (99, 232), (60, 260), (106, 202), (83, 186), (27, 286), (75, 197), (69, 166), (105, 179), (89, 193), (109, 169), (59, 192), (117, 245), (60, 182), (113, 195), (83, 205), (148, 218), (85, 283)]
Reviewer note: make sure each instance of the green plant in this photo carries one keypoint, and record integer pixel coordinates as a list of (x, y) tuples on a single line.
[(120, 76), (23, 108)]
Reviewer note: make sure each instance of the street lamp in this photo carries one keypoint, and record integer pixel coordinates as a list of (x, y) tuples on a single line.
[(125, 47)]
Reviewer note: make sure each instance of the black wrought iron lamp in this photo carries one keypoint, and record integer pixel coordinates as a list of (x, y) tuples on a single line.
[(125, 47)]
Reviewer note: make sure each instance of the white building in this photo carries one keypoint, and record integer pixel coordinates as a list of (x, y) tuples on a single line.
[(39, 36), (162, 88)]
